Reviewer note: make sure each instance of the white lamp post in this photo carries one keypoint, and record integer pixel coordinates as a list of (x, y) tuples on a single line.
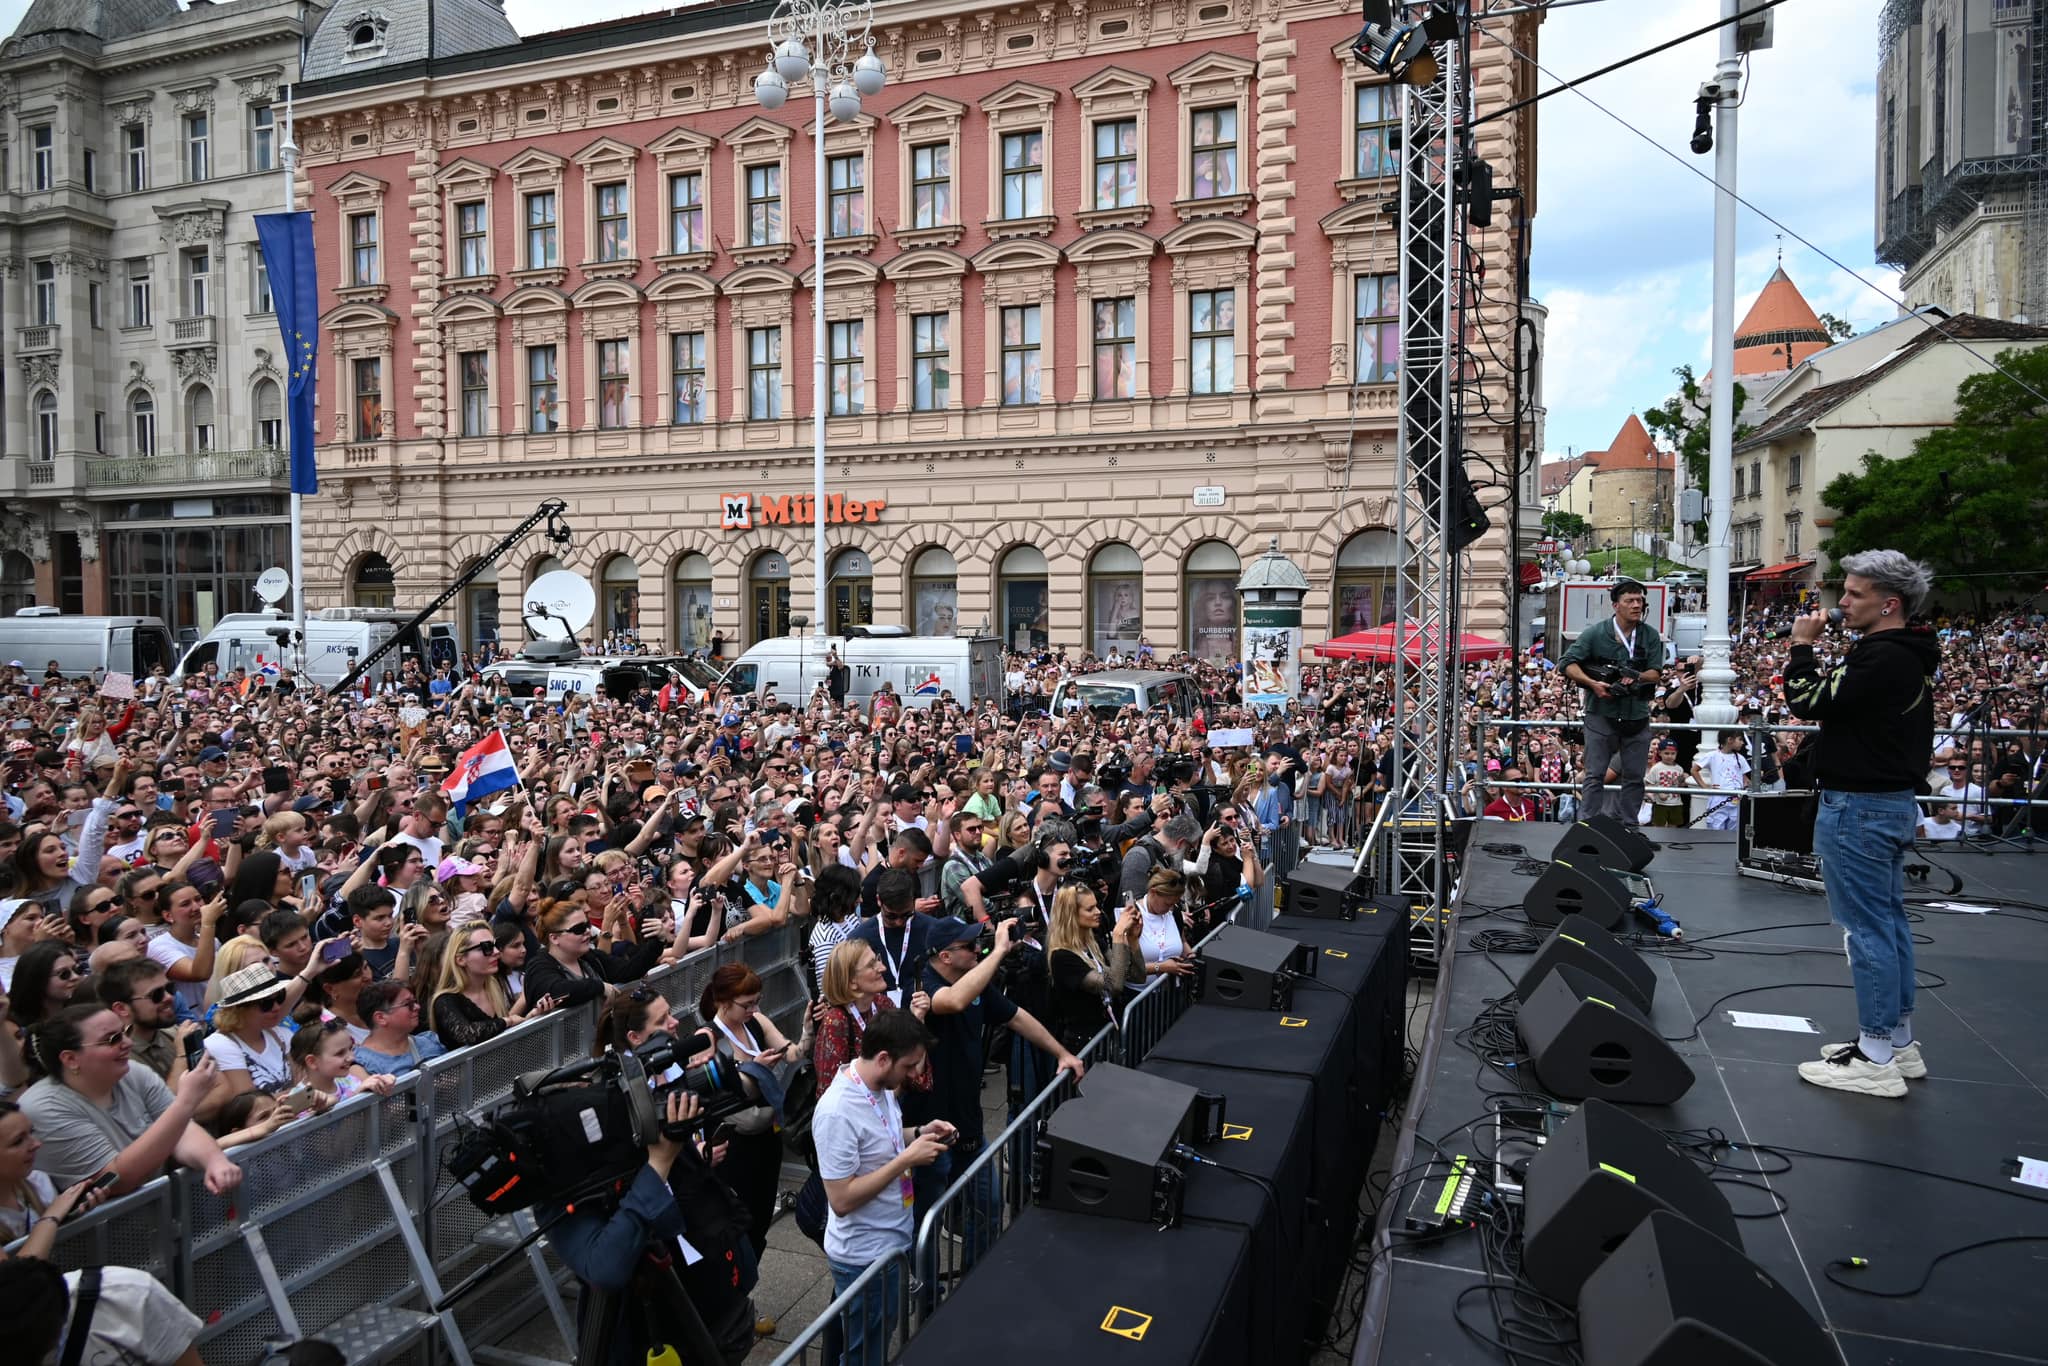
[(817, 40)]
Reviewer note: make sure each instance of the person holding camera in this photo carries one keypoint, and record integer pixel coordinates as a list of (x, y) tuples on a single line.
[(1617, 664), (966, 1003), (866, 1157), (673, 1213), (1086, 983)]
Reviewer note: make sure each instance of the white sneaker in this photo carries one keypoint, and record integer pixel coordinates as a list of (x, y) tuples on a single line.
[(1910, 1065), (1851, 1071)]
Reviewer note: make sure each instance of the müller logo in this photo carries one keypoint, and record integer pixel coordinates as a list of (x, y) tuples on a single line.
[(743, 511)]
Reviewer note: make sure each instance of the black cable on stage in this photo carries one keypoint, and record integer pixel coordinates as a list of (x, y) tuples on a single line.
[(1936, 985), (1926, 1272)]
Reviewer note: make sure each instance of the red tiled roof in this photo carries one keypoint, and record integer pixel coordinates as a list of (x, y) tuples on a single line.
[(1779, 331), (1632, 450), (1557, 473)]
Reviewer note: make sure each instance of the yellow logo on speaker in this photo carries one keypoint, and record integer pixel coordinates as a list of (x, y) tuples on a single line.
[(1335, 953), (1293, 1022), (1126, 1323), (1238, 1132)]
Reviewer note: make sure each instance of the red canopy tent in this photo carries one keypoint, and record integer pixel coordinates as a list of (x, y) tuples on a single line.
[(1378, 644)]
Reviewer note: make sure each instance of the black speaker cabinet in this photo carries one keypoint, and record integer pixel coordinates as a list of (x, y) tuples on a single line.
[(1673, 1294), (1602, 1173), (1579, 943), (1255, 971), (1567, 888), (1325, 891), (1103, 1151), (1603, 839), (1584, 1043)]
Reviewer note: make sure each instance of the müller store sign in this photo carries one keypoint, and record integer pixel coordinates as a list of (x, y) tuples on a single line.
[(745, 511)]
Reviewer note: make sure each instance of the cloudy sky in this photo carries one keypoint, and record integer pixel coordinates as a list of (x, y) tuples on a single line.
[(1623, 243)]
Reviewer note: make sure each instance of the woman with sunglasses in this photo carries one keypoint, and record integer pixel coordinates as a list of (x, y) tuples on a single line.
[(577, 964), (44, 982), (324, 1059), (469, 1002), (94, 1111)]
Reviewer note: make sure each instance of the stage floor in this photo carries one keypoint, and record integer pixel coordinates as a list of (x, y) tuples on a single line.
[(1984, 1032)]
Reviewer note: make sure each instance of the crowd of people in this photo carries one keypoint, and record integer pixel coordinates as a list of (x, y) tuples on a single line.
[(228, 903)]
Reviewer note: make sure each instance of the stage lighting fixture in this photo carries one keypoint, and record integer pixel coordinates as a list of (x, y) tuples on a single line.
[(1398, 51)]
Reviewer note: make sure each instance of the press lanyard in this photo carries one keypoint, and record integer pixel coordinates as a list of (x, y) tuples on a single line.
[(895, 1132), (1628, 642), (895, 963)]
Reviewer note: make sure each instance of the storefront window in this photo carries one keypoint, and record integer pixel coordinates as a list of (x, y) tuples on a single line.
[(935, 593), (851, 581), (1026, 601), (1364, 590), (768, 596), (621, 602), (372, 585), (693, 603), (1211, 577), (189, 576), (1116, 589)]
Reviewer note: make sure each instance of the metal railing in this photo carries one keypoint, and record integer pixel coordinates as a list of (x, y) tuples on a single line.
[(337, 1230), (189, 467)]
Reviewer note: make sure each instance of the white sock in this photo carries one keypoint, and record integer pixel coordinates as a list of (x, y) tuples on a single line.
[(1876, 1047), (1902, 1032)]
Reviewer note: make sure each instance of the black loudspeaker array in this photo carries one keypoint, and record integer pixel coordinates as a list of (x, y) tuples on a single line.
[(1250, 969), (1583, 889), (1109, 1151), (1586, 1039), (1605, 840), (1580, 943), (1325, 891)]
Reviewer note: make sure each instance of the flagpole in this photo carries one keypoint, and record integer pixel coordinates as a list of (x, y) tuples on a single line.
[(288, 157), (539, 817)]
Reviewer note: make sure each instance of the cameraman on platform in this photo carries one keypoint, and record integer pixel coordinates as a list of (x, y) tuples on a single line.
[(674, 1213), (1630, 652)]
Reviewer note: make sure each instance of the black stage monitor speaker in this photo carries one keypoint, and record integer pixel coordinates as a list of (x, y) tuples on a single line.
[(1108, 1151), (1673, 1294), (1579, 943), (1603, 839), (1255, 971), (1584, 1043), (1602, 1173), (1567, 888), (1325, 891)]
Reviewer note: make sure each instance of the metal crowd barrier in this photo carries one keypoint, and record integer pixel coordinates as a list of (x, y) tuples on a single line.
[(343, 1222)]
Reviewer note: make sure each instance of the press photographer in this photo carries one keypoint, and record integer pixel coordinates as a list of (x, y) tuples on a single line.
[(1617, 663)]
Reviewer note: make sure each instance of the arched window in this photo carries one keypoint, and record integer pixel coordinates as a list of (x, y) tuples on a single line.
[(693, 603), (935, 593), (852, 581), (1366, 573), (199, 407), (269, 410), (768, 596), (1026, 600), (1116, 599), (1211, 594), (17, 582), (621, 600), (373, 584), (546, 564), (141, 424), (46, 425)]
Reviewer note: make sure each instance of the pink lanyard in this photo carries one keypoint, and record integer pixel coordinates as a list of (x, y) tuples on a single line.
[(903, 1186)]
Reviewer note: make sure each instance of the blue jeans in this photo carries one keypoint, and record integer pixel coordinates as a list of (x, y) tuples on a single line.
[(1862, 839), (869, 1319)]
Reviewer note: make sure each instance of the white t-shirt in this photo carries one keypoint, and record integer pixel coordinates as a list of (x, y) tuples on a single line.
[(859, 1131), (430, 849), (1724, 770), (137, 1321), (168, 950), (1934, 830), (268, 1067)]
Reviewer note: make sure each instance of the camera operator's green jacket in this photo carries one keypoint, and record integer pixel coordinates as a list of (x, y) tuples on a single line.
[(1598, 643)]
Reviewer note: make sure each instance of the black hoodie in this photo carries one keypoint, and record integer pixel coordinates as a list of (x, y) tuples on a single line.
[(1875, 708)]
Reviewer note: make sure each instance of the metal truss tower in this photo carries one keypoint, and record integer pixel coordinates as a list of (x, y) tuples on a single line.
[(1428, 691)]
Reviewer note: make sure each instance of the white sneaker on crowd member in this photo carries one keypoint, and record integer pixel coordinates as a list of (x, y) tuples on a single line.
[(1906, 1058), (1852, 1070)]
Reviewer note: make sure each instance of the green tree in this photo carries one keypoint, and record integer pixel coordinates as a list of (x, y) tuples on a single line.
[(1841, 329), (1681, 423), (1565, 526), (1970, 499)]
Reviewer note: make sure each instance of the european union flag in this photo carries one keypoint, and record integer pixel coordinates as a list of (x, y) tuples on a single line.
[(287, 243)]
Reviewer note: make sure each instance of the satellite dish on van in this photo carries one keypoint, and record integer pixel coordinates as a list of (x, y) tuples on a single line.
[(558, 605), (272, 584)]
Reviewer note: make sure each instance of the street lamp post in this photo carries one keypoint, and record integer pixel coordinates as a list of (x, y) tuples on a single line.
[(1632, 525), (815, 40)]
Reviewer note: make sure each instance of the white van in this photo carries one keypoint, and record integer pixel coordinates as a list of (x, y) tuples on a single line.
[(1111, 690), (122, 645), (336, 637), (919, 667), (621, 675)]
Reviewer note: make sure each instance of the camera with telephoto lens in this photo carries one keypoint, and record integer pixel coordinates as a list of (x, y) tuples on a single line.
[(1174, 768), (569, 1131)]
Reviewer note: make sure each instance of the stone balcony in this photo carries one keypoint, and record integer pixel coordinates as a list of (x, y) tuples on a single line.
[(38, 339), (194, 331), (191, 470)]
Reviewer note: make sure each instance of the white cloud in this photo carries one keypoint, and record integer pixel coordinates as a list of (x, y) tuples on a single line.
[(1604, 351)]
